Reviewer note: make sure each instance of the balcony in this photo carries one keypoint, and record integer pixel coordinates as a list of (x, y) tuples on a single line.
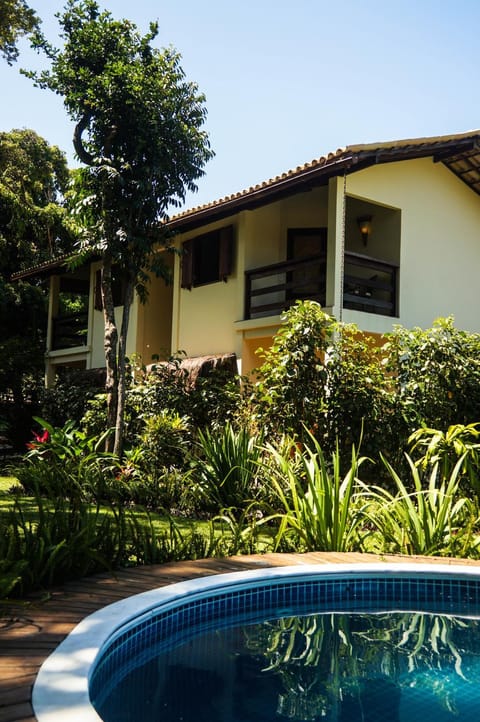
[(69, 331), (270, 290), (370, 285)]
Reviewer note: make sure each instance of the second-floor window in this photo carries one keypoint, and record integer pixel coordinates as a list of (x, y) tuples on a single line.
[(207, 258)]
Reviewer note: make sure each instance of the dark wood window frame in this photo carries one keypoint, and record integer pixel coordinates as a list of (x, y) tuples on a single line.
[(208, 258)]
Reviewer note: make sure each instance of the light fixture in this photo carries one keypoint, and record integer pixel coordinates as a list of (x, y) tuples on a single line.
[(365, 225)]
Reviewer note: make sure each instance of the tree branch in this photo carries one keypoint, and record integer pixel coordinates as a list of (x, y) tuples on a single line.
[(83, 154)]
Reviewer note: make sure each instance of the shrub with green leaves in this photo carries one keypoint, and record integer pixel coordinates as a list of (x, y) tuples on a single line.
[(361, 403), (66, 462), (438, 374), (226, 472), (290, 391), (166, 439), (445, 448)]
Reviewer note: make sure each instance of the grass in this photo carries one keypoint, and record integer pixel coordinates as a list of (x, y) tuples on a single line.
[(160, 522), (6, 483)]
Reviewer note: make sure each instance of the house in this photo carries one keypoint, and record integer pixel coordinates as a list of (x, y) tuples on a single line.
[(380, 234)]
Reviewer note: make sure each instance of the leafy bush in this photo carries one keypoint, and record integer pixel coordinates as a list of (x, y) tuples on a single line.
[(446, 448), (361, 403), (290, 391), (66, 462), (166, 438), (438, 374)]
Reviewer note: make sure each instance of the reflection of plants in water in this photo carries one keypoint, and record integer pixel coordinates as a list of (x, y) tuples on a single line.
[(323, 659), (312, 655)]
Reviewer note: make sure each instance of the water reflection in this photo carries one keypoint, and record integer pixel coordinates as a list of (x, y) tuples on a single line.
[(389, 667)]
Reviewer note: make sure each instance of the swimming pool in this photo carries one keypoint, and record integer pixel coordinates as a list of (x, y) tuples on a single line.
[(112, 642)]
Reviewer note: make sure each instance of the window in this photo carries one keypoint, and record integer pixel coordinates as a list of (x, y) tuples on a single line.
[(208, 258)]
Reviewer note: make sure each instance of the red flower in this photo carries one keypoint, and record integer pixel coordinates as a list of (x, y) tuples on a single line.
[(43, 437)]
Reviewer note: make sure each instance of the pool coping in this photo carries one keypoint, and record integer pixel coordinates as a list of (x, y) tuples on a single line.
[(60, 693)]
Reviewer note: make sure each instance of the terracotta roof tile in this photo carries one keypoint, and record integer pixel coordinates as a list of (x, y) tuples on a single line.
[(407, 148)]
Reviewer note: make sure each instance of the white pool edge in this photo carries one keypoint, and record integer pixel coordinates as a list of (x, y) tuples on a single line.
[(60, 692)]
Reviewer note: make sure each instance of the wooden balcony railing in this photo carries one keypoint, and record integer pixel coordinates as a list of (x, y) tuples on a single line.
[(69, 331), (369, 285), (270, 290)]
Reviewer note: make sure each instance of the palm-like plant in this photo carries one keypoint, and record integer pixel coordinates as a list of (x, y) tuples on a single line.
[(446, 447)]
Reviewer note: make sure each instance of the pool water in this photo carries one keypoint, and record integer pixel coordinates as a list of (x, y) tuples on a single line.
[(338, 667)]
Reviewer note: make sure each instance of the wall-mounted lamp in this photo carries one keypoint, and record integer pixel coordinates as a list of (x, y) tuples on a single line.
[(365, 225)]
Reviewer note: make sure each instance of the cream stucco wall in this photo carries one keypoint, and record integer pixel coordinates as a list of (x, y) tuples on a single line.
[(96, 357), (154, 319), (425, 219), (440, 242), (209, 319)]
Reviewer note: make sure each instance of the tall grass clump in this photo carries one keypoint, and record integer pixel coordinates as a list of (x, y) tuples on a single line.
[(433, 519), (226, 471), (320, 510)]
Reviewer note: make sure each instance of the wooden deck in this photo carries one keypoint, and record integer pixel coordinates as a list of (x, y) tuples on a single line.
[(29, 632)]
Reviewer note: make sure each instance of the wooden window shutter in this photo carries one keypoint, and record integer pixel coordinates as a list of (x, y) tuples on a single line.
[(225, 265), (98, 305), (187, 264)]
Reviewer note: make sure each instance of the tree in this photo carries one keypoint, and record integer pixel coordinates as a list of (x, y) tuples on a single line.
[(139, 135), (33, 228), (16, 19)]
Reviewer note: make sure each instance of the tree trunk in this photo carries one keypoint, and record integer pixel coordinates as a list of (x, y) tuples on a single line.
[(122, 352), (110, 346)]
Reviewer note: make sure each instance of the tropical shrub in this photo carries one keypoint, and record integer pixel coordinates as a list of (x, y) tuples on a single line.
[(434, 519), (166, 439), (226, 472), (446, 448), (361, 403), (438, 374), (290, 391), (321, 511)]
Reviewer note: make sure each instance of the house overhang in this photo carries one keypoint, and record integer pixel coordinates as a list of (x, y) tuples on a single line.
[(47, 268), (460, 153)]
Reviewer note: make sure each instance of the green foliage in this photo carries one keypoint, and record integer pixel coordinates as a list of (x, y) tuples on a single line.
[(138, 132), (320, 509), (75, 400), (361, 403), (33, 226), (16, 19), (438, 374), (344, 387), (435, 519), (446, 448), (226, 474), (63, 542), (66, 462), (165, 439), (290, 392)]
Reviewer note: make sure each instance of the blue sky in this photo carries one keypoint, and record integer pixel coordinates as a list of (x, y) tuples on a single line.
[(287, 81)]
